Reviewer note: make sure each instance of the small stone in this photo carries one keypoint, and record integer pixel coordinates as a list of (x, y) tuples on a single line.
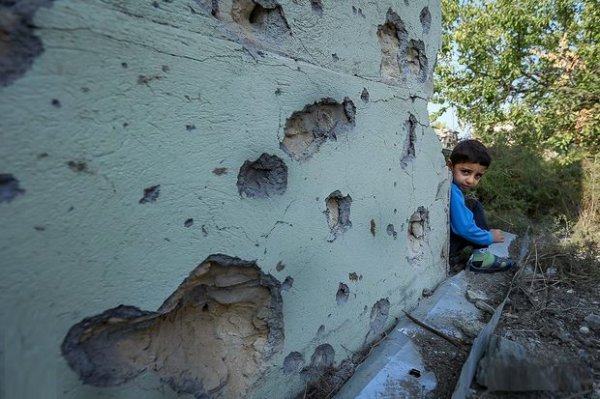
[(469, 328), (570, 291), (528, 270), (476, 295), (484, 306), (584, 330), (593, 321)]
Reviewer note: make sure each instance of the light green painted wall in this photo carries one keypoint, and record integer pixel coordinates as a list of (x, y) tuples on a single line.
[(76, 243)]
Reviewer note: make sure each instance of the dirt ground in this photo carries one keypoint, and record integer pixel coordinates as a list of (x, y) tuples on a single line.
[(545, 313), (550, 298)]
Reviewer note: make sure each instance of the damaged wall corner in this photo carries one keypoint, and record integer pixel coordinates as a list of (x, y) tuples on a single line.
[(140, 137)]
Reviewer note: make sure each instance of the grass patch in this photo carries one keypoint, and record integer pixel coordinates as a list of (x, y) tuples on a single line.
[(558, 198), (522, 188)]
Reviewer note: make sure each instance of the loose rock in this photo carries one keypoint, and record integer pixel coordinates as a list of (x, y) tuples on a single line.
[(593, 321), (584, 330), (476, 295)]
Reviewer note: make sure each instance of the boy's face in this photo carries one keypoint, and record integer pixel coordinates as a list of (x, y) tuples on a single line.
[(467, 174)]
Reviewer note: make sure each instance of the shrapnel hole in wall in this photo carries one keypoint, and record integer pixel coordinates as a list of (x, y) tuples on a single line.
[(151, 194), (322, 357), (338, 213), (425, 18), (305, 131), (293, 363), (418, 226), (317, 6), (411, 137), (379, 315), (342, 294), (393, 38), (401, 57), (391, 231), (264, 177), (416, 60), (9, 187), (262, 17)]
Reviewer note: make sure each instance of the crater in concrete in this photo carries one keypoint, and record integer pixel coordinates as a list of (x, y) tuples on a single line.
[(364, 95), (401, 57), (209, 6), (265, 177), (305, 131), (418, 222), (316, 6), (79, 166), (425, 18), (9, 187), (393, 38), (323, 357), (416, 60), (293, 363), (338, 214), (418, 226), (264, 17), (19, 46), (212, 338), (287, 283), (320, 332), (379, 315), (391, 231), (411, 138), (342, 294)]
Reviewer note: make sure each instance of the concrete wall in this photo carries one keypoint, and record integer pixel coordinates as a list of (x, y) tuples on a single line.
[(132, 172)]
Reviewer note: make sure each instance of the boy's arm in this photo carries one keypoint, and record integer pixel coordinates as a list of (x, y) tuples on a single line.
[(462, 223)]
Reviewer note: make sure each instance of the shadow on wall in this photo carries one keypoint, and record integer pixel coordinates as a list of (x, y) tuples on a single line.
[(213, 337)]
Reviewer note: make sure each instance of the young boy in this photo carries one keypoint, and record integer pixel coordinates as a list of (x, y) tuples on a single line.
[(468, 226)]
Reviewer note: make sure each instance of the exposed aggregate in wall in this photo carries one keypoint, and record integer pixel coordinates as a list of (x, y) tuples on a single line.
[(263, 177), (210, 338), (306, 131), (140, 137)]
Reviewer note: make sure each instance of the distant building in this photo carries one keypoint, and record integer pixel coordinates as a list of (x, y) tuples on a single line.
[(448, 138)]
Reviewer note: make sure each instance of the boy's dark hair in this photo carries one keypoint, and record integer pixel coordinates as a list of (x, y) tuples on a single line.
[(471, 151)]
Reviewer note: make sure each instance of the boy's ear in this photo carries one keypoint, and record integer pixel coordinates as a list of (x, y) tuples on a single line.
[(449, 164)]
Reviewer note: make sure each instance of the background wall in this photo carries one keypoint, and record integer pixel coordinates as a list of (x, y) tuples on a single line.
[(125, 130)]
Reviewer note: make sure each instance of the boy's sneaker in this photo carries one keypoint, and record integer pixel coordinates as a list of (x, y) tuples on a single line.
[(486, 262)]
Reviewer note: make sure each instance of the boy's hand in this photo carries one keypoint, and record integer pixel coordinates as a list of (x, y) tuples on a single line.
[(498, 235)]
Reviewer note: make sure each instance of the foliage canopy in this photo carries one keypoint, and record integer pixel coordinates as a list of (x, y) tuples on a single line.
[(524, 72)]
